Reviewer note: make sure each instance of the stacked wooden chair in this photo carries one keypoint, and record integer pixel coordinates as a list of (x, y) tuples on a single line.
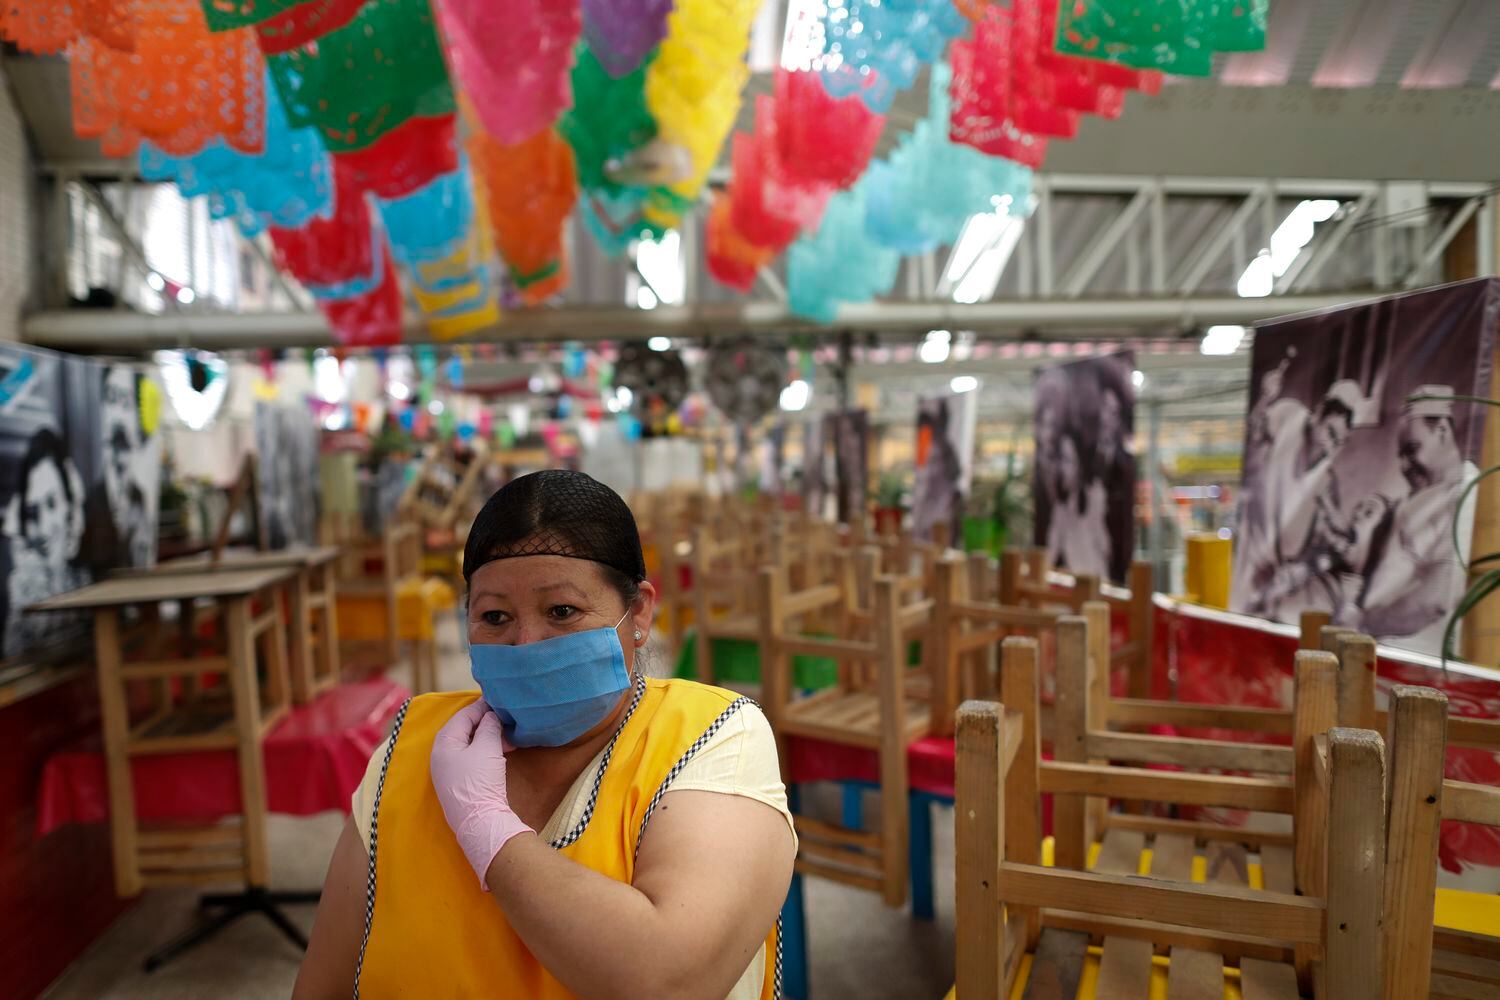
[(724, 598), (881, 716), (1284, 944), (384, 602)]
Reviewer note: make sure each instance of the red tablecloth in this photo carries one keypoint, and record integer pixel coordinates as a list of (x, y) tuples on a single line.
[(929, 763), (315, 758)]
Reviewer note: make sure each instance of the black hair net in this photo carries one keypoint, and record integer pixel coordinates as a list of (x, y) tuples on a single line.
[(556, 513)]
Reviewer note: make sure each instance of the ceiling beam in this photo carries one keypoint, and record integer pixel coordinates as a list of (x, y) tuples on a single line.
[(1376, 133), (1167, 317)]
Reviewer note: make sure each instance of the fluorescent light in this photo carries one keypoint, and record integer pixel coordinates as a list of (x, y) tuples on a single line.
[(186, 296), (935, 347), (659, 343), (335, 420), (1138, 379), (328, 379), (981, 253), (1222, 339), (398, 390), (964, 383), (794, 397), (660, 263), (645, 298), (1287, 243), (624, 396), (156, 281)]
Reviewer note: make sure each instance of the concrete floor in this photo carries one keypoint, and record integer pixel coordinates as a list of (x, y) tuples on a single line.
[(857, 947)]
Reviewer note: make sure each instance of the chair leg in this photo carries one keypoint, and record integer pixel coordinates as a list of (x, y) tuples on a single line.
[(854, 805), (794, 943), (920, 853)]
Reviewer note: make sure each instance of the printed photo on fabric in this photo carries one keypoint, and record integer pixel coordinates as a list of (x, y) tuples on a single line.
[(851, 459), (814, 457), (80, 464), (944, 463), (1351, 485), (1084, 472), (287, 475)]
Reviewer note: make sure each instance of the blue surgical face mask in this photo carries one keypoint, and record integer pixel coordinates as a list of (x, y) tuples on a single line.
[(549, 693)]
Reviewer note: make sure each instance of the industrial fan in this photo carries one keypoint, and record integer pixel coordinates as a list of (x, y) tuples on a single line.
[(745, 378)]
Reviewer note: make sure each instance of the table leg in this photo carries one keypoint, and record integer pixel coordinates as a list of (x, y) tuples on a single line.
[(161, 687), (192, 685), (115, 718), (328, 648), (301, 639), (276, 657), (247, 730)]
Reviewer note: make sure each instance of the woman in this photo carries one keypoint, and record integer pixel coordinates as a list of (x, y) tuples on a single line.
[(1078, 537), (577, 831)]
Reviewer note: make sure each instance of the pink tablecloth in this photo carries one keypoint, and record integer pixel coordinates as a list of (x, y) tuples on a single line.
[(315, 758)]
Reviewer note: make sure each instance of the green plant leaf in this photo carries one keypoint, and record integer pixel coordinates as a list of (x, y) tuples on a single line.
[(1458, 549), (1484, 400), (1483, 587)]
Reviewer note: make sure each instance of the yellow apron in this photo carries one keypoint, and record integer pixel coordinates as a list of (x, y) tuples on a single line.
[(430, 931)]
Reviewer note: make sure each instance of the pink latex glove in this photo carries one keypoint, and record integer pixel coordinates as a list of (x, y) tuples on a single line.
[(468, 774)]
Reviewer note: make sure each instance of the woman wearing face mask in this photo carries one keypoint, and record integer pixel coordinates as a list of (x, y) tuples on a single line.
[(578, 830)]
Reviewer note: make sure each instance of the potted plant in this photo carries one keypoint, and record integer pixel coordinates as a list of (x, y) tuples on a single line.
[(888, 504), (1008, 509)]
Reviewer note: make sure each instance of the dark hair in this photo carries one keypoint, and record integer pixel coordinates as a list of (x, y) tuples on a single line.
[(137, 378), (1085, 465), (1336, 408), (44, 446), (560, 513), (1380, 538), (1113, 378)]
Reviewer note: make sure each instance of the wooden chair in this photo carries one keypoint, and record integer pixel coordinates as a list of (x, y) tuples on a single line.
[(724, 598), (1420, 960), (968, 623), (1026, 581), (371, 604), (883, 718), (1332, 934)]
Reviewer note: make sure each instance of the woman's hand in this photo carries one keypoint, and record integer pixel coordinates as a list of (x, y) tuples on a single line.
[(468, 774)]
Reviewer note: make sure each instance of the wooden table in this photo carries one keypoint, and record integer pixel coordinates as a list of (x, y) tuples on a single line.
[(312, 599), (198, 720)]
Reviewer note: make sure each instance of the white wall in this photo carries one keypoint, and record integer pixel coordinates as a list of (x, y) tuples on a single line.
[(17, 252)]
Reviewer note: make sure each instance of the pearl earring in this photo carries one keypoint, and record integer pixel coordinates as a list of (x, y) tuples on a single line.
[(637, 635)]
